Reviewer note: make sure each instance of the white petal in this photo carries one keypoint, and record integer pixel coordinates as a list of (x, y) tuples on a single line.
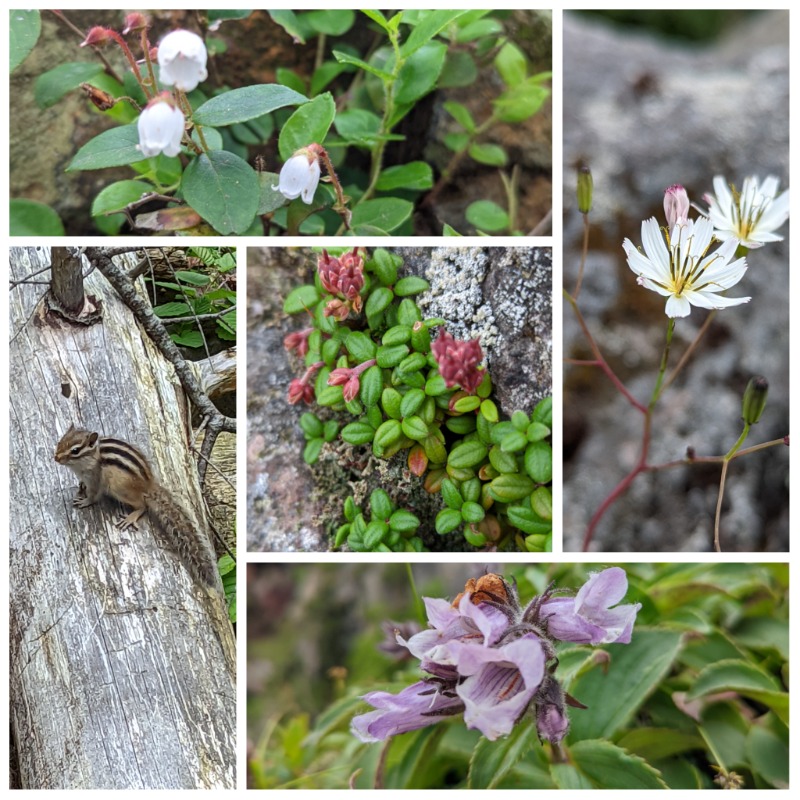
[(678, 307), (311, 182), (655, 246)]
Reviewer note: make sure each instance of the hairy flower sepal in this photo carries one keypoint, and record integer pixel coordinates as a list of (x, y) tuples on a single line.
[(348, 378), (683, 268), (161, 126)]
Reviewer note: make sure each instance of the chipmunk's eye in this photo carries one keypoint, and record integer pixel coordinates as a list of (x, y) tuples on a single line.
[(75, 450)]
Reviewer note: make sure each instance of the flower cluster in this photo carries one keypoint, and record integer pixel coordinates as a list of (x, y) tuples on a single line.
[(684, 263), (458, 361), (182, 57), (492, 660), (405, 394), (343, 277)]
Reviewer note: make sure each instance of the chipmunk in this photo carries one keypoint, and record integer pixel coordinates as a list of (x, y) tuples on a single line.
[(113, 468)]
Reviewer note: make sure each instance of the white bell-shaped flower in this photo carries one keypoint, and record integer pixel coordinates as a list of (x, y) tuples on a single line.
[(161, 127), (300, 176), (182, 57)]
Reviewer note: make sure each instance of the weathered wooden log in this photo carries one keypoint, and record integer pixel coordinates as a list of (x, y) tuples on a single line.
[(122, 670)]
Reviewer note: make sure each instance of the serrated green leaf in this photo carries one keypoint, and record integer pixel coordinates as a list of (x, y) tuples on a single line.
[(491, 761), (607, 766)]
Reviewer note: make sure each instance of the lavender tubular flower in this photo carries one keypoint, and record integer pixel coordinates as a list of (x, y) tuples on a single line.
[(588, 617), (417, 706), (493, 661)]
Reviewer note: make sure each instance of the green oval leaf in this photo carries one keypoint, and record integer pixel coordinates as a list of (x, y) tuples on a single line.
[(414, 176), (52, 85), (118, 195), (447, 520), (223, 189), (380, 504), (403, 521), (411, 285), (378, 300), (308, 125), (538, 461), (25, 27), (371, 385), (414, 428), (388, 433), (301, 299), (382, 215), (507, 488), (360, 346), (113, 148), (467, 454), (249, 102), (487, 216), (29, 218), (391, 356), (491, 154), (358, 433)]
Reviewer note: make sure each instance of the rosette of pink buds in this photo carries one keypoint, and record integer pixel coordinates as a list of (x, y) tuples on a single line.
[(458, 361), (343, 276)]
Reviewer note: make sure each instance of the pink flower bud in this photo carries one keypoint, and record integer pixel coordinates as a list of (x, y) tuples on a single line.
[(97, 37), (328, 270), (458, 361), (135, 22), (350, 391), (298, 390), (337, 309), (339, 376), (676, 205)]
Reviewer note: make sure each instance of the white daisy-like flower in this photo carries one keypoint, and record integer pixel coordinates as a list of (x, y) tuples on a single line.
[(681, 268), (182, 57), (300, 176), (749, 216)]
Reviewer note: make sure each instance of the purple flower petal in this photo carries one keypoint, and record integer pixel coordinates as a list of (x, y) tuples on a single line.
[(588, 617), (500, 683)]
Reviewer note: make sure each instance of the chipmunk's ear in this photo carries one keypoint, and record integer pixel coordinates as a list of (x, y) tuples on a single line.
[(93, 439), (71, 428)]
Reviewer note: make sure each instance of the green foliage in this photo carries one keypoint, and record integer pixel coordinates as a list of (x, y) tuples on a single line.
[(494, 476), (360, 90), (199, 302), (388, 528), (698, 699)]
